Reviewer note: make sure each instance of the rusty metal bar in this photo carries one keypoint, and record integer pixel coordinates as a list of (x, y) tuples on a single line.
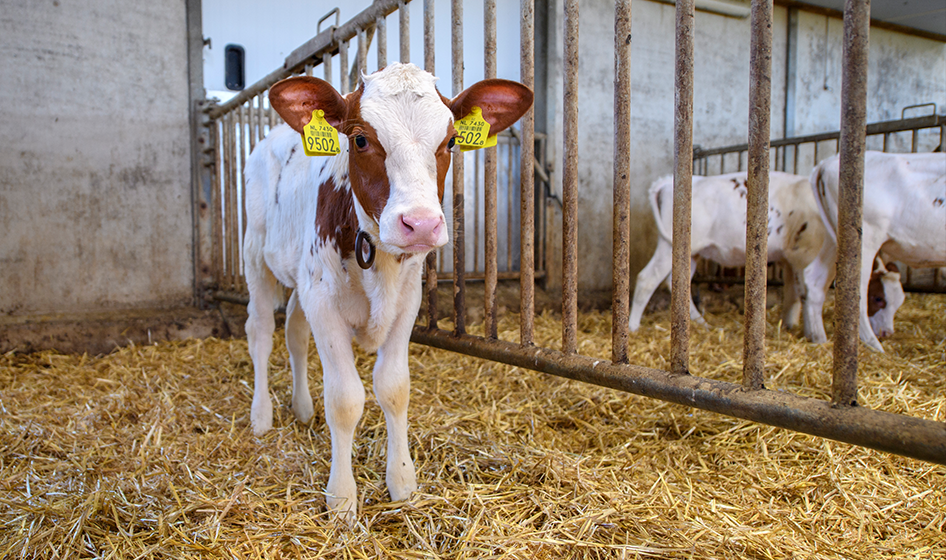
[(850, 199), (429, 66), (245, 129), (459, 182), (510, 201), (620, 299), (404, 30), (884, 431), (682, 187), (527, 179), (757, 198), (218, 128), (230, 217), (491, 180), (570, 184), (477, 166), (381, 35)]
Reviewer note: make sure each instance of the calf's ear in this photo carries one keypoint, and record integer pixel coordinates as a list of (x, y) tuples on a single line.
[(502, 102), (295, 99)]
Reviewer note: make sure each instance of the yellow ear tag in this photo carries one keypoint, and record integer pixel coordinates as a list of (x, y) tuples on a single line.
[(318, 137), (474, 131)]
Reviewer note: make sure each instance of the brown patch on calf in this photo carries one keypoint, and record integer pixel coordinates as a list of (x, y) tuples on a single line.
[(938, 202), (335, 219), (876, 297)]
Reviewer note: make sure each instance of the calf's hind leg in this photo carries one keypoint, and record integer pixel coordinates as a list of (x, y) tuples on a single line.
[(260, 325), (297, 341)]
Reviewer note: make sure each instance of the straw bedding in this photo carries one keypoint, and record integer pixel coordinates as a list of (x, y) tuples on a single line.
[(146, 453)]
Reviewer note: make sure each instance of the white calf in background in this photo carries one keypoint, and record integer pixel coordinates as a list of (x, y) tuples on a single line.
[(796, 238), (904, 215), (349, 233)]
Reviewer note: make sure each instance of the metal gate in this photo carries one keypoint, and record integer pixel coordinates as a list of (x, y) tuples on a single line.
[(234, 127)]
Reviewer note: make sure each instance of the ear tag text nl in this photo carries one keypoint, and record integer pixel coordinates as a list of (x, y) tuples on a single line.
[(473, 131), (318, 137)]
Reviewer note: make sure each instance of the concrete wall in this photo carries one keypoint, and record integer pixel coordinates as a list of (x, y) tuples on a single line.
[(95, 169), (903, 70)]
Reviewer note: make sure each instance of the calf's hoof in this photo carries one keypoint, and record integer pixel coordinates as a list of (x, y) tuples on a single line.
[(261, 415), (302, 409)]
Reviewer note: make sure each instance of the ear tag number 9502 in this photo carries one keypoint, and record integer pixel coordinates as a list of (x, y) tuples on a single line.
[(473, 131), (318, 137)]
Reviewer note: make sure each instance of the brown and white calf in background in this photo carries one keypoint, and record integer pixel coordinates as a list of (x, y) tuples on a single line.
[(309, 217), (796, 237), (904, 216)]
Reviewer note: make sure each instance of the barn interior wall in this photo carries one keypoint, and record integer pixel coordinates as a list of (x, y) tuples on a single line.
[(904, 70), (95, 194)]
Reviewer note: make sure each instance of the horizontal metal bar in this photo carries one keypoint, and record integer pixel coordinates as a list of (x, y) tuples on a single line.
[(884, 431), (884, 127)]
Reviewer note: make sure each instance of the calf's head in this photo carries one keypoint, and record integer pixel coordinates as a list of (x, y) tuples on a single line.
[(397, 134), (884, 297)]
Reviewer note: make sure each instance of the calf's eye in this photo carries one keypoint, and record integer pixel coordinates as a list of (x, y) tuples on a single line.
[(451, 143), (361, 141)]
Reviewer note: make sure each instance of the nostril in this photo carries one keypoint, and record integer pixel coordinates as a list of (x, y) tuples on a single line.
[(407, 224)]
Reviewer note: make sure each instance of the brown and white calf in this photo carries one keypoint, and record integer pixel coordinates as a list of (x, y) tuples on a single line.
[(904, 216), (309, 217), (796, 238)]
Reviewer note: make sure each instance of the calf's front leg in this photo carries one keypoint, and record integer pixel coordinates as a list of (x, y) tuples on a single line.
[(392, 386), (344, 397)]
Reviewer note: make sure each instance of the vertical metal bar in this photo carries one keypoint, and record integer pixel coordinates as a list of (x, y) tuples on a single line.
[(570, 185), (542, 211), (327, 67), (757, 198), (251, 121), (527, 179), (228, 197), (362, 60), (850, 199), (247, 130), (682, 188), (260, 113), (216, 198), (491, 180), (621, 234), (477, 166), (381, 35), (404, 30), (510, 201), (343, 68), (432, 256), (233, 233), (459, 182)]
